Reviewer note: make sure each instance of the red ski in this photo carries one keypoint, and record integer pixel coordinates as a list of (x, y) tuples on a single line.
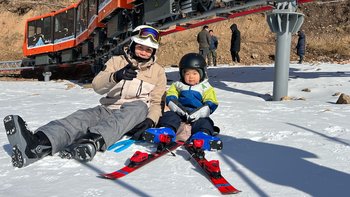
[(140, 159), (211, 169)]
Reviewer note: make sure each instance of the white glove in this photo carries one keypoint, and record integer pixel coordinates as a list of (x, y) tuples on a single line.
[(201, 112), (176, 107)]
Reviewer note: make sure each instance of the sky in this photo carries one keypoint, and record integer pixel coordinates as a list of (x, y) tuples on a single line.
[(299, 147)]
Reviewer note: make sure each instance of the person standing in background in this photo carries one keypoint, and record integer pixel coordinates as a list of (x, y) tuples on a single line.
[(301, 46), (235, 43), (203, 39), (212, 49)]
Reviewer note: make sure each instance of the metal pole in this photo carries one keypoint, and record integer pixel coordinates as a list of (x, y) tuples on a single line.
[(283, 21), (282, 56)]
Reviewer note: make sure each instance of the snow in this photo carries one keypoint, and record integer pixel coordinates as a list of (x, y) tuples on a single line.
[(271, 148)]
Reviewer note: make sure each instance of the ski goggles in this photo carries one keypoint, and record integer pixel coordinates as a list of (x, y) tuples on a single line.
[(149, 32)]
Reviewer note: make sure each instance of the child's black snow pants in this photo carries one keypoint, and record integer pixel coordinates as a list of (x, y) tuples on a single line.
[(173, 120)]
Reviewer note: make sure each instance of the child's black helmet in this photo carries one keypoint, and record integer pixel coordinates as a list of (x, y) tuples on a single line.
[(194, 61)]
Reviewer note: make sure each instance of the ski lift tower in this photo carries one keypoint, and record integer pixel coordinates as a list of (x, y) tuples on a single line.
[(284, 21)]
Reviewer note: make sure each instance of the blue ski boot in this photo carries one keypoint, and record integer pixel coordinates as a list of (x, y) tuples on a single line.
[(159, 135), (204, 141)]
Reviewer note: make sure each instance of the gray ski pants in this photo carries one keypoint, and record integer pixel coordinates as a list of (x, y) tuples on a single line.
[(110, 124)]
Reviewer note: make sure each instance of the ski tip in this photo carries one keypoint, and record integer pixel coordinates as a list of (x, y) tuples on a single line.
[(105, 176), (236, 191)]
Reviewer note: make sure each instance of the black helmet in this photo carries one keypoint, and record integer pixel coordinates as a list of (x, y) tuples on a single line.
[(194, 61)]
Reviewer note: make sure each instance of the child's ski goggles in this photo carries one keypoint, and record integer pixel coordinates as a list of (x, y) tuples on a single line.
[(149, 32)]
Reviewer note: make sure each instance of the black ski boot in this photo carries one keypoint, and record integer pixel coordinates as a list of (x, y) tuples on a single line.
[(26, 146), (84, 149)]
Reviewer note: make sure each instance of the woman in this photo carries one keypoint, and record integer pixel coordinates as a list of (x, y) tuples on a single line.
[(133, 84)]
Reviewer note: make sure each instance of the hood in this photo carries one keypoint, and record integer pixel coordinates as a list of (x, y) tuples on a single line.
[(233, 27)]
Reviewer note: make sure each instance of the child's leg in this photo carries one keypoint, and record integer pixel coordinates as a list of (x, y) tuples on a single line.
[(205, 125), (203, 135), (170, 119)]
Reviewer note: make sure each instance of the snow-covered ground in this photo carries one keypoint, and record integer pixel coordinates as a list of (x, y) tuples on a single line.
[(271, 148)]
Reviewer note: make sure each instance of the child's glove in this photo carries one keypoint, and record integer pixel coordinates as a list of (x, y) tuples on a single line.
[(201, 112), (127, 73), (176, 107)]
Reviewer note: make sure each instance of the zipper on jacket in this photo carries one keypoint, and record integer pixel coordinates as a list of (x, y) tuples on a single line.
[(121, 90), (139, 90)]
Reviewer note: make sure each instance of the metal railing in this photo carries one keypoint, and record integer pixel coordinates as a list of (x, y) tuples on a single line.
[(12, 68), (10, 65)]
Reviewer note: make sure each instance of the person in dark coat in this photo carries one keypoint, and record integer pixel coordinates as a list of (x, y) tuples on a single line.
[(203, 39), (235, 43), (301, 46), (212, 49)]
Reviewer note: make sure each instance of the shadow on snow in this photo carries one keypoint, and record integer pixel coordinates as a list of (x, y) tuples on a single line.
[(283, 165)]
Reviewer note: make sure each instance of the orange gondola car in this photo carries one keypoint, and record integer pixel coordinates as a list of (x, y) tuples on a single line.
[(38, 37)]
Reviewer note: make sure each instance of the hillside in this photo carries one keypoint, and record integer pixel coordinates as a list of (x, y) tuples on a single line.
[(327, 27)]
